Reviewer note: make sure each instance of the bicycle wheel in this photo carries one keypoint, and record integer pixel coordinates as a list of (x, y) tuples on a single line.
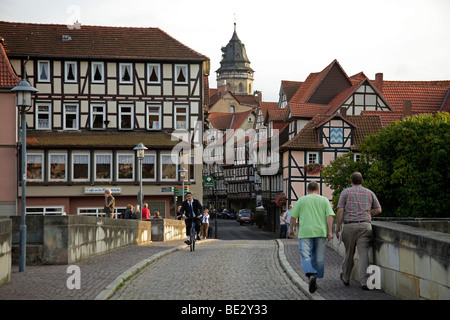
[(192, 245)]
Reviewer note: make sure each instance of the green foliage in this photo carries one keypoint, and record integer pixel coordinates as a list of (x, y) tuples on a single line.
[(410, 171), (406, 165), (337, 174)]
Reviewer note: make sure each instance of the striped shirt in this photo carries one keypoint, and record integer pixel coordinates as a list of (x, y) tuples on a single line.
[(205, 218), (357, 202)]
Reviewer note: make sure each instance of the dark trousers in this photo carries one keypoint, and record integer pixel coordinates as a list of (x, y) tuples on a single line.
[(197, 222)]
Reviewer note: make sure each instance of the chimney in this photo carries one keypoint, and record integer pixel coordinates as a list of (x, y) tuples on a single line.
[(258, 95), (407, 108), (379, 81), (222, 89)]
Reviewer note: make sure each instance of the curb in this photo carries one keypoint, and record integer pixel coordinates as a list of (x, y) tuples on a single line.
[(109, 290), (295, 278)]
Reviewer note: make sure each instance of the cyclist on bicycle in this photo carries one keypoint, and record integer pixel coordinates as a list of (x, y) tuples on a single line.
[(191, 210)]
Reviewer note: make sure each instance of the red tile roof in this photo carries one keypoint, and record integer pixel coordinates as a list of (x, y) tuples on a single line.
[(8, 77), (223, 121), (425, 96), (93, 42), (307, 138)]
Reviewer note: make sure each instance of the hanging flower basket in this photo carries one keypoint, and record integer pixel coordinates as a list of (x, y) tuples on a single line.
[(281, 200), (314, 168)]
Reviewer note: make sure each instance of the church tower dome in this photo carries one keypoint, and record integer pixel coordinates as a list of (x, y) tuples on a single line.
[(235, 71)]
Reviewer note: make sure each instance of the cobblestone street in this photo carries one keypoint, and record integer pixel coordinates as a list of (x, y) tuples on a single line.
[(217, 270)]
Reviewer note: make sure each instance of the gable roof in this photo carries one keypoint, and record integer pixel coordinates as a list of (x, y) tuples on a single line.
[(223, 121), (8, 77), (308, 137), (93, 42), (342, 97), (318, 90)]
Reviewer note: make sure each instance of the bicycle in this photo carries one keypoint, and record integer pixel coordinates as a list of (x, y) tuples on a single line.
[(192, 233)]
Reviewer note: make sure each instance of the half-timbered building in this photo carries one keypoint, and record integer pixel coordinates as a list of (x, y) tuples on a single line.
[(330, 114), (102, 90)]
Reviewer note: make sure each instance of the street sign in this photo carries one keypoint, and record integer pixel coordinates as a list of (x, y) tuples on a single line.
[(179, 191), (208, 181), (166, 189)]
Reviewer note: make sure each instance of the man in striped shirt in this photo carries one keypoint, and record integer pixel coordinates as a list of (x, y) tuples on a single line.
[(356, 206)]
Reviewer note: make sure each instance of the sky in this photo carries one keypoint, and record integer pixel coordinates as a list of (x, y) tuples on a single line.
[(284, 39)]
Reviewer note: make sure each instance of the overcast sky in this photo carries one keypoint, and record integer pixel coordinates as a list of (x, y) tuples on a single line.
[(285, 39)]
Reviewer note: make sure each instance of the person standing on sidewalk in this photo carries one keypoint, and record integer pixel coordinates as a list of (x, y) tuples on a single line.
[(356, 206), (287, 216), (205, 224), (110, 203), (283, 228), (315, 218)]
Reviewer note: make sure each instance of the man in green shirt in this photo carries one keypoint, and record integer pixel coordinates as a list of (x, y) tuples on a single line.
[(315, 218)]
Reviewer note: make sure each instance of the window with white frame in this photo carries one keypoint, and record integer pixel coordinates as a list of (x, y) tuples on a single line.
[(169, 167), (312, 157), (97, 72), (43, 116), (153, 117), (35, 166), (43, 71), (181, 117), (149, 167), (99, 212), (126, 116), (357, 157), (44, 210), (80, 166), (70, 71), (181, 74), (70, 121), (153, 73), (98, 116), (126, 73), (125, 166), (103, 166), (57, 166)]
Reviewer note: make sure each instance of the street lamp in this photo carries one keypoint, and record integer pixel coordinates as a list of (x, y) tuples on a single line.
[(182, 172), (140, 153), (23, 102)]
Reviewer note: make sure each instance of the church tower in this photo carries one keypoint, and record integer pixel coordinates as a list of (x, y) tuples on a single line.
[(235, 70)]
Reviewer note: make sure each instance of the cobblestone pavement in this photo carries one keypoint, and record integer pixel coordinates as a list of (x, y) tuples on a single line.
[(330, 286), (217, 270), (49, 282), (235, 269)]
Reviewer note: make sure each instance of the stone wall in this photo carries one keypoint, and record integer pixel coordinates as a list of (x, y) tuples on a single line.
[(414, 262), (168, 229), (5, 250), (68, 239)]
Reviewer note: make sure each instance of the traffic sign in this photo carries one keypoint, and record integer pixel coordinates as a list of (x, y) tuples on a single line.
[(208, 181)]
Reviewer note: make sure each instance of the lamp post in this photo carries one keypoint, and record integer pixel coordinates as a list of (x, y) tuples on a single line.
[(23, 102), (182, 172), (140, 153)]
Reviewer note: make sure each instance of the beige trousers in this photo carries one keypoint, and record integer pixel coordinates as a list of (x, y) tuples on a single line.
[(204, 230), (356, 235)]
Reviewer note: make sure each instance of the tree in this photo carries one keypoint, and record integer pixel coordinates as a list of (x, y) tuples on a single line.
[(409, 172), (337, 174)]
